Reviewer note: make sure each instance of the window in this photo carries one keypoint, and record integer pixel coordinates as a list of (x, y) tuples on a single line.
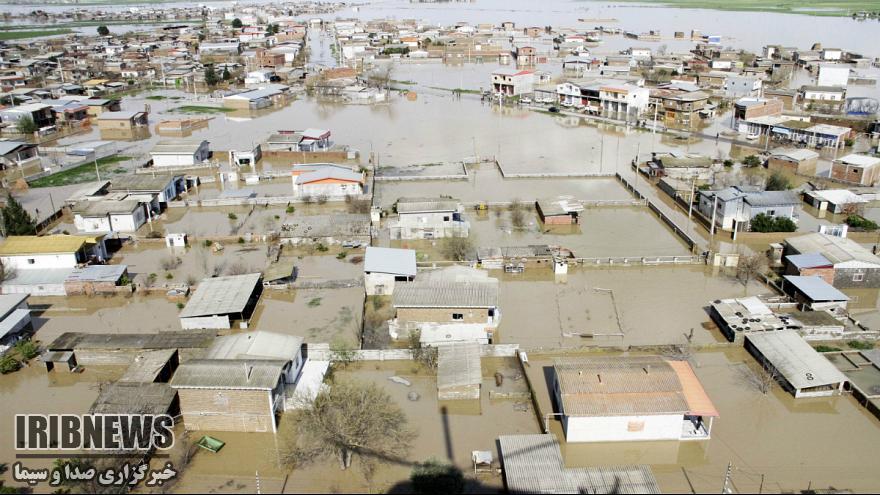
[(858, 277), (31, 261), (457, 316)]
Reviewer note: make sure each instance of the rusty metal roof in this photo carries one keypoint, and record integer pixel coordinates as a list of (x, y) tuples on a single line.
[(619, 386)]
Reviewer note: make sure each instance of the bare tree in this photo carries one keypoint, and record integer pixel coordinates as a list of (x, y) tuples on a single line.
[(761, 380), (517, 214), (457, 248), (6, 272), (345, 419), (750, 266), (425, 355)]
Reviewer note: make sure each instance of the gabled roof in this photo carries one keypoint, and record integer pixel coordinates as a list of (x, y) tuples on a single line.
[(445, 295), (795, 359), (329, 173)]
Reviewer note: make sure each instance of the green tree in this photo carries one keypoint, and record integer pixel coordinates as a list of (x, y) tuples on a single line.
[(211, 78), (226, 75), (766, 223), (9, 364), (26, 125), (777, 182), (16, 220), (434, 477), (103, 31), (751, 161), (236, 23)]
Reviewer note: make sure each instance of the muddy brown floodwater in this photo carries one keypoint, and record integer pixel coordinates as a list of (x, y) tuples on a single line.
[(655, 305), (792, 444)]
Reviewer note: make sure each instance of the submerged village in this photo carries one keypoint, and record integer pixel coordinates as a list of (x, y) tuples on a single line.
[(459, 247)]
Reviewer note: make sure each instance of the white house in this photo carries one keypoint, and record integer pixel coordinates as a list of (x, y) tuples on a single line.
[(735, 207), (180, 153), (429, 218), (623, 101), (623, 399), (833, 75), (28, 252), (738, 86), (385, 266), (513, 82), (326, 179), (832, 54), (109, 215)]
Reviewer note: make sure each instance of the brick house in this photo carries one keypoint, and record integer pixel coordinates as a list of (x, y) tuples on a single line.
[(230, 395), (854, 265), (856, 169), (810, 264), (797, 161)]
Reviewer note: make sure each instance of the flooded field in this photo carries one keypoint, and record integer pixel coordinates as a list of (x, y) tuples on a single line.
[(316, 315), (98, 314), (539, 312), (189, 264), (835, 438)]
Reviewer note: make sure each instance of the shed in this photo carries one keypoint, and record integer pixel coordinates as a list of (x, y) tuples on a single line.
[(801, 370), (385, 266), (534, 464), (814, 292), (136, 398), (95, 279), (217, 301), (559, 211), (459, 375)]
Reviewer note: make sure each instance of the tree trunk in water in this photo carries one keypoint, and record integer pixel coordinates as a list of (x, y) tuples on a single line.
[(344, 459)]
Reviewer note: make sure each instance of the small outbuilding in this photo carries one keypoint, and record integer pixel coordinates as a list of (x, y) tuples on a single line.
[(385, 266), (799, 368), (459, 375), (814, 293), (217, 301)]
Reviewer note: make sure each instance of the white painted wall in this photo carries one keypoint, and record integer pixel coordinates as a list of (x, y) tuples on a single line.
[(617, 428), (381, 284), (91, 224), (40, 261), (214, 322)]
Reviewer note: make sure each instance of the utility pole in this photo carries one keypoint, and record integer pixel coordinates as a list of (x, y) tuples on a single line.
[(726, 487), (97, 172), (691, 200), (654, 129), (714, 209)]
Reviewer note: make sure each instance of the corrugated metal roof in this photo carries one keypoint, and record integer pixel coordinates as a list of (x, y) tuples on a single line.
[(836, 249), (228, 374), (458, 364), (773, 198), (699, 403), (795, 359), (147, 365), (390, 260), (445, 295), (97, 273), (163, 340), (255, 345), (808, 260), (534, 464), (619, 386), (816, 288), (134, 398), (221, 295)]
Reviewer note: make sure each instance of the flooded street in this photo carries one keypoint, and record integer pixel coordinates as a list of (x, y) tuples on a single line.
[(835, 438)]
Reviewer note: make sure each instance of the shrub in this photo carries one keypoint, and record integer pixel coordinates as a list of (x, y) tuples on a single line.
[(322, 248), (766, 223), (26, 125), (342, 255), (180, 305), (777, 182), (826, 348), (728, 163), (169, 276), (241, 240), (861, 223), (9, 364), (860, 345), (290, 210), (751, 161), (27, 349), (232, 216)]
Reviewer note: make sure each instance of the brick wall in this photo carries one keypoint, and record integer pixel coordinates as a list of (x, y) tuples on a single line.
[(226, 410)]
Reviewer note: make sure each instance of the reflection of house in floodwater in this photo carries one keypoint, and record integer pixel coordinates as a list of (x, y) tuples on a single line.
[(218, 301), (615, 399), (534, 464), (799, 368)]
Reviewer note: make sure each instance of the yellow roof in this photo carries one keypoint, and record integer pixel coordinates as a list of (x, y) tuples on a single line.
[(95, 82), (32, 244)]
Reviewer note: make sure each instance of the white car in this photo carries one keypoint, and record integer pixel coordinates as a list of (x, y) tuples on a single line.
[(752, 137), (526, 100)]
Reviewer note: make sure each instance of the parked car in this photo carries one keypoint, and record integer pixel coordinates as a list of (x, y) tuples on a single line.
[(553, 110)]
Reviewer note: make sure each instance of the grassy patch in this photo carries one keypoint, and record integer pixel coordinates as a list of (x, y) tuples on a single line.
[(315, 302), (457, 90), (18, 35), (82, 173), (202, 109)]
